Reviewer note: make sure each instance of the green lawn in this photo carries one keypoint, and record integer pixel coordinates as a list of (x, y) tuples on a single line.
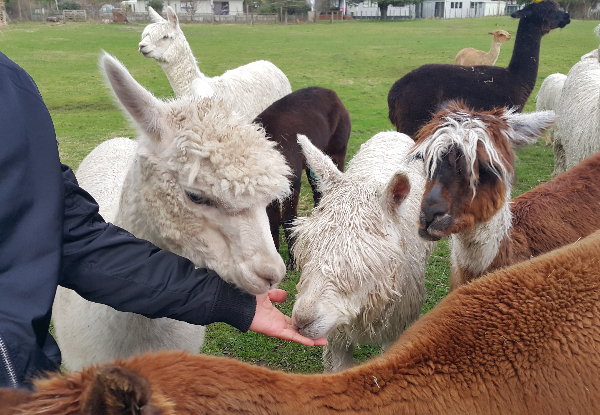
[(359, 60)]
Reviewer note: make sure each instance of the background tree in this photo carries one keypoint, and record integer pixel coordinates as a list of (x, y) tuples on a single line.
[(157, 5), (69, 5)]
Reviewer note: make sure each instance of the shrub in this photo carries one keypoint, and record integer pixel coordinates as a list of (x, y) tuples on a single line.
[(157, 5), (69, 5)]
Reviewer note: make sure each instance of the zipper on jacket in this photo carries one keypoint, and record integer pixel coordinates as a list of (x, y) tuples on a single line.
[(7, 364)]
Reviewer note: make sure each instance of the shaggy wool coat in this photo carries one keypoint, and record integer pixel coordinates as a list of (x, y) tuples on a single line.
[(51, 234)]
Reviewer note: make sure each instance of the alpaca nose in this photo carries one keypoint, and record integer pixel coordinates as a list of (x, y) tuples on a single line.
[(433, 206)]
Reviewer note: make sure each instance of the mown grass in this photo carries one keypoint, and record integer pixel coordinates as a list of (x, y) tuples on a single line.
[(359, 60)]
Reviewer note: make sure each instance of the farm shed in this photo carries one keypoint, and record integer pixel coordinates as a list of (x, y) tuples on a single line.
[(231, 7), (461, 9)]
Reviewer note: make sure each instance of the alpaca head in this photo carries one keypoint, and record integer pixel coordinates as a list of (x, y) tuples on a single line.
[(469, 162), (545, 14), (112, 389), (163, 39), (202, 181), (349, 250), (500, 36)]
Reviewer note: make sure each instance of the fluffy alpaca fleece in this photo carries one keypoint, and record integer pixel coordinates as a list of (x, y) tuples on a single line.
[(549, 95), (522, 340), (363, 263), (473, 57), (577, 129), (470, 167), (416, 96), (319, 114), (117, 155), (249, 89), (199, 187)]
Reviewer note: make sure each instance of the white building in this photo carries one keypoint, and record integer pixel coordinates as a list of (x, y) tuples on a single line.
[(232, 7), (368, 10), (447, 9), (444, 9)]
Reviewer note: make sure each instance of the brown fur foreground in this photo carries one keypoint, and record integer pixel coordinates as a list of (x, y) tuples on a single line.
[(522, 340)]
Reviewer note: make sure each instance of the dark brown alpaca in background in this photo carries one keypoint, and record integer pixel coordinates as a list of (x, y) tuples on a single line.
[(522, 340), (319, 114), (472, 204), (415, 97)]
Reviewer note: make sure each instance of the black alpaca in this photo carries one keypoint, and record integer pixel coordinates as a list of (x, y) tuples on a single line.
[(320, 115), (416, 96)]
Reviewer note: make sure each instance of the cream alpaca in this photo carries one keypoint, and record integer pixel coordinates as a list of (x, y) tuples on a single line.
[(249, 89), (473, 57), (199, 186), (577, 131), (363, 263)]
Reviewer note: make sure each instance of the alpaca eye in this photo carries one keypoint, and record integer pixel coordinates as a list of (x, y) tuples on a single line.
[(199, 198), (165, 37)]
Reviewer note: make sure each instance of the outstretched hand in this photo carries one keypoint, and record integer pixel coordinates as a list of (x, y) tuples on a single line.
[(273, 323)]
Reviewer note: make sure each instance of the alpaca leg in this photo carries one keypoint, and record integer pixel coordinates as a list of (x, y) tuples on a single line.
[(274, 215), (338, 355), (288, 214)]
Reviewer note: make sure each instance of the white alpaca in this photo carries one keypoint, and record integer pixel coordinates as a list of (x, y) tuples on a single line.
[(198, 186), (548, 97), (249, 89), (577, 130), (363, 263), (473, 57)]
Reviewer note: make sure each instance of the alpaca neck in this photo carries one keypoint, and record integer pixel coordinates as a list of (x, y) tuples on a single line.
[(474, 250), (182, 71), (492, 55), (526, 54)]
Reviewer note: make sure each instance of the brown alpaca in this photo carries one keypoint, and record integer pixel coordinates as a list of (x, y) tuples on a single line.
[(472, 204), (522, 340), (319, 114), (420, 93), (473, 57)]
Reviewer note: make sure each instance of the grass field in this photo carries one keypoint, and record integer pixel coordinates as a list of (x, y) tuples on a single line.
[(359, 60)]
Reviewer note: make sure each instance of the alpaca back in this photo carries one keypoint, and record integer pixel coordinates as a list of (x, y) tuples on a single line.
[(251, 88), (102, 173), (577, 131)]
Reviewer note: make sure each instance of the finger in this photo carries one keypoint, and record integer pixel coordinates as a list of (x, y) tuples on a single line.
[(277, 295), (321, 341)]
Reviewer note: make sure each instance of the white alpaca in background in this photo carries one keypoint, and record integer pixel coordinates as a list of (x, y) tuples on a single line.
[(363, 262), (198, 184), (249, 89), (548, 97), (577, 130)]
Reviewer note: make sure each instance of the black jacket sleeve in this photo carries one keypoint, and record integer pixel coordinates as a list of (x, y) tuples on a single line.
[(106, 264)]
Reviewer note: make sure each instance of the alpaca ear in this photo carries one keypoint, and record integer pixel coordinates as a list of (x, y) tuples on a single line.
[(142, 106), (172, 18), (528, 127), (396, 192), (117, 390), (154, 17), (325, 171)]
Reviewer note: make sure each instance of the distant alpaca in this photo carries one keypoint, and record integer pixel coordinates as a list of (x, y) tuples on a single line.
[(577, 129), (474, 57), (198, 185), (523, 340), (319, 114), (363, 263), (470, 164), (249, 89), (416, 96)]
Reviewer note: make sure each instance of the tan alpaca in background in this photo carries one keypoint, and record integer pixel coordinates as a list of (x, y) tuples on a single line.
[(473, 57)]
